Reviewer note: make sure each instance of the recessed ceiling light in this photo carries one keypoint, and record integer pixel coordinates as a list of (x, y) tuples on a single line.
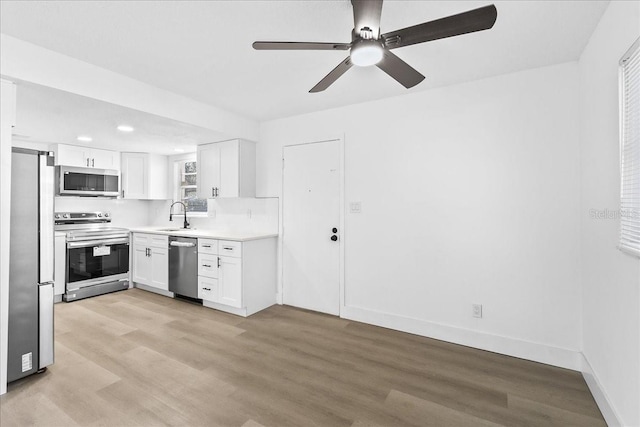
[(84, 138), (179, 150), (125, 128)]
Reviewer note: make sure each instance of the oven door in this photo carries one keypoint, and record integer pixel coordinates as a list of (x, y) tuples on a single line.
[(96, 261), (87, 182)]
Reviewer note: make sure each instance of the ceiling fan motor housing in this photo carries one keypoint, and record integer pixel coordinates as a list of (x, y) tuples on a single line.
[(366, 52)]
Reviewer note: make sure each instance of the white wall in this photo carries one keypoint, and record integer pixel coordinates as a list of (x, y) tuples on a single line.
[(611, 279), (7, 120), (470, 194)]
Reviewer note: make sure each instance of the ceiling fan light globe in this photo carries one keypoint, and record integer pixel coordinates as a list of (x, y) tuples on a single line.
[(366, 53)]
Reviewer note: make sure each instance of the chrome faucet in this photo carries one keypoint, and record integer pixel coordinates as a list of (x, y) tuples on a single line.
[(186, 223)]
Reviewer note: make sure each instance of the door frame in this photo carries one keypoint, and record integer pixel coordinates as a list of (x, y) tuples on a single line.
[(342, 233)]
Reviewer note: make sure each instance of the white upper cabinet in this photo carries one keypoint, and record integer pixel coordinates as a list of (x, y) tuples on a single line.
[(208, 176), (145, 176), (227, 169), (85, 157), (105, 159)]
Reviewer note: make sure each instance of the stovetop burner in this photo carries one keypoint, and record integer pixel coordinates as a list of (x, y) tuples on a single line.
[(88, 226)]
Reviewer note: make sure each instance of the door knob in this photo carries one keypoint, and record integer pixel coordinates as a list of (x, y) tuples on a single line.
[(334, 237), (334, 230)]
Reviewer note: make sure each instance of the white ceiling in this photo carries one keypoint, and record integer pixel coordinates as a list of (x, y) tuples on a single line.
[(48, 115), (203, 49)]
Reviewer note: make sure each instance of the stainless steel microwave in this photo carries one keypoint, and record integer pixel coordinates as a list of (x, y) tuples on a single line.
[(88, 182)]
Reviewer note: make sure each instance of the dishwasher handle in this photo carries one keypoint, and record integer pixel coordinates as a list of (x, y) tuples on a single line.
[(182, 244)]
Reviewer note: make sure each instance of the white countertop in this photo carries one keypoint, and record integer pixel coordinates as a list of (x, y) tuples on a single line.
[(238, 236)]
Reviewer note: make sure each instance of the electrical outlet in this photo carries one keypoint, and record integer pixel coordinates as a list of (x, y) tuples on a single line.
[(477, 310), (355, 207)]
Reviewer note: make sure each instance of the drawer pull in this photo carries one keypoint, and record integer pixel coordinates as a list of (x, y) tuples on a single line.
[(206, 246), (227, 248), (206, 265), (206, 289)]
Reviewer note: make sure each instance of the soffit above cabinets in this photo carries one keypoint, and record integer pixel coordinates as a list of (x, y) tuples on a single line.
[(47, 115)]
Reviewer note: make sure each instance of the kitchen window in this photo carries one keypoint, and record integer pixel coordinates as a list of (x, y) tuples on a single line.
[(630, 150), (186, 186)]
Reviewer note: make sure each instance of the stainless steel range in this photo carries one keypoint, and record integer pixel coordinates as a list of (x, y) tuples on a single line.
[(97, 260)]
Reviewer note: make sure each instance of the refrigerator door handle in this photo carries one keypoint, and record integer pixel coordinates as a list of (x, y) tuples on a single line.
[(45, 319), (47, 241)]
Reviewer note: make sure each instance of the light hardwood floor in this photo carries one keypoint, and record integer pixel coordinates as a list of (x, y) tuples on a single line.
[(135, 358)]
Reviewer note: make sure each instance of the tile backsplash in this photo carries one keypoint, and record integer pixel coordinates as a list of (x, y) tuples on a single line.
[(253, 215), (124, 213)]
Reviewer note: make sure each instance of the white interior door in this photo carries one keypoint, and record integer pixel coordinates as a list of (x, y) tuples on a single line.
[(311, 210)]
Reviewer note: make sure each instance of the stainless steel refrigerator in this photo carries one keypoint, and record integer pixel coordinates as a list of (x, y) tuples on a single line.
[(30, 337)]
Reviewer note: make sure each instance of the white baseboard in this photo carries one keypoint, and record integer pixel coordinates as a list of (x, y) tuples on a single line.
[(608, 410), (226, 308), (536, 352), (152, 289)]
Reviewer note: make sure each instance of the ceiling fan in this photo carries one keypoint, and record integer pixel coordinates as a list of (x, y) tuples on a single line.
[(368, 47)]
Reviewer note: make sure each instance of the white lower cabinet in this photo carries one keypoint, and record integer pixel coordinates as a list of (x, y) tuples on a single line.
[(207, 288), (160, 267), (151, 260), (230, 282), (237, 277)]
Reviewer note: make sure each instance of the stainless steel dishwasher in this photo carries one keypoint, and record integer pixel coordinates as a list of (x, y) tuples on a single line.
[(183, 266)]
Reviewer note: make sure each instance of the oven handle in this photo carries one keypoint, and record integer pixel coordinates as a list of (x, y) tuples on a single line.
[(87, 243), (102, 238)]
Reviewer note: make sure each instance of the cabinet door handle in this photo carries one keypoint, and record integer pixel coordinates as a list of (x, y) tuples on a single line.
[(93, 163), (87, 162), (218, 262), (123, 194), (213, 192)]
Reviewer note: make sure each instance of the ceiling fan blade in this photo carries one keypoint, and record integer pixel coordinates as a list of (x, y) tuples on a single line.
[(332, 76), (454, 25), (405, 74), (366, 13), (300, 46)]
